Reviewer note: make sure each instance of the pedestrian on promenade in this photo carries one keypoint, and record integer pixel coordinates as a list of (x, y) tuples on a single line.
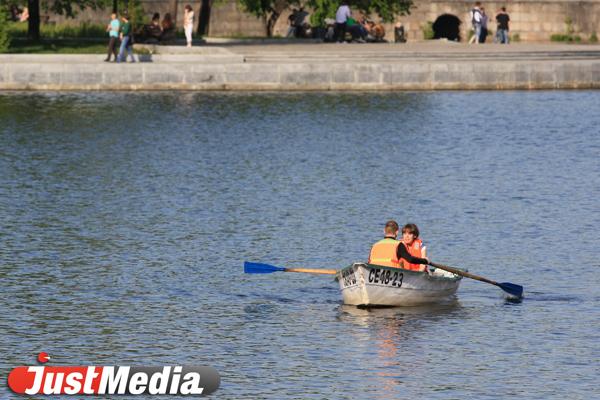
[(484, 25), (341, 18), (476, 23), (292, 24), (502, 19), (24, 15), (188, 24), (113, 34), (126, 39)]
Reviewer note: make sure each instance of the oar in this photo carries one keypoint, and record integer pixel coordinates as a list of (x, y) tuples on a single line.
[(258, 268), (510, 288)]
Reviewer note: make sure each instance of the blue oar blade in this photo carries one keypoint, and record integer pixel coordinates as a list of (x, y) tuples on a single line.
[(258, 268), (512, 289)]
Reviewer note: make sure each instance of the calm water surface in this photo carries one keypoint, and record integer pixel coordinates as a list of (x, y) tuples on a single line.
[(125, 220)]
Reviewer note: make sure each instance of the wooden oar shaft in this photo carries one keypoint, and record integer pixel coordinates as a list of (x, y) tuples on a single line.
[(312, 271), (463, 273)]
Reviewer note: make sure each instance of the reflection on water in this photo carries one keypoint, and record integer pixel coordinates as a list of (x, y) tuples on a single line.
[(125, 219)]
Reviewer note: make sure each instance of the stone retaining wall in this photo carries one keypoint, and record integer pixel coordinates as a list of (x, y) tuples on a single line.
[(532, 20), (194, 74)]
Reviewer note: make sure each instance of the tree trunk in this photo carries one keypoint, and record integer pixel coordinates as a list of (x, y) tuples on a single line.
[(173, 10), (33, 23), (274, 14), (204, 18)]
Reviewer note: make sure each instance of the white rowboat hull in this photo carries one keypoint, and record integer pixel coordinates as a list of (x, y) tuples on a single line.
[(374, 285)]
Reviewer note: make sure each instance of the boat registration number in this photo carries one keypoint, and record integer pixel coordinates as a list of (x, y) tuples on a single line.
[(348, 277), (386, 277)]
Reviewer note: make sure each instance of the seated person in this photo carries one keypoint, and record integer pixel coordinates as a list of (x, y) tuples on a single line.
[(168, 29), (391, 252), (150, 33), (329, 30), (414, 245), (399, 34), (356, 30), (378, 32)]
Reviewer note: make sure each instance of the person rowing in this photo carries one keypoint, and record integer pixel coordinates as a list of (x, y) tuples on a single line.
[(390, 252)]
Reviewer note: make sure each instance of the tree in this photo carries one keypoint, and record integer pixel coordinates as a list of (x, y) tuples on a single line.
[(270, 10), (204, 17), (61, 7), (4, 37), (173, 8), (387, 10)]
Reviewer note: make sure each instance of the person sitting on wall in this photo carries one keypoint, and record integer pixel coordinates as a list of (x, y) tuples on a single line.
[(168, 29), (150, 33), (378, 32), (356, 30), (399, 34), (329, 30), (303, 29)]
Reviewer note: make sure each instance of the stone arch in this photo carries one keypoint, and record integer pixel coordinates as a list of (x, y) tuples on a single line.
[(447, 26)]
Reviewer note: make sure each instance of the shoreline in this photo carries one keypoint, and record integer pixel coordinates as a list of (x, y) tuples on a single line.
[(310, 67)]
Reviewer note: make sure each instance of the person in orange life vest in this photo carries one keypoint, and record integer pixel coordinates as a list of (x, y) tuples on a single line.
[(414, 245), (391, 252)]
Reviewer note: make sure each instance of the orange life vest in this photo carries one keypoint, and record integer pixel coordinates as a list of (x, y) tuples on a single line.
[(385, 252), (414, 249)]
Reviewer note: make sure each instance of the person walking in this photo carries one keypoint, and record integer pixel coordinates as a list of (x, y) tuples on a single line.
[(502, 20), (341, 19), (188, 24), (292, 24), (113, 34), (484, 25), (476, 23), (126, 39)]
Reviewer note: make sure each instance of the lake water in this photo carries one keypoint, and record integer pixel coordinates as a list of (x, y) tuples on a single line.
[(125, 219)]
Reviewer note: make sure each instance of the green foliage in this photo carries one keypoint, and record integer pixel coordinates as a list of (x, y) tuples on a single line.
[(565, 37), (261, 8), (515, 38), (58, 46), (322, 9), (137, 17), (4, 35), (593, 38), (69, 7), (427, 29), (387, 10), (58, 31), (569, 25)]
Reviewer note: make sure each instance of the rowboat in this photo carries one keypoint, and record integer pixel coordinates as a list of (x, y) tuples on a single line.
[(375, 285)]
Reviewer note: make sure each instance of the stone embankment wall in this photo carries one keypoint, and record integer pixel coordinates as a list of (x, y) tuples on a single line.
[(230, 72), (533, 20)]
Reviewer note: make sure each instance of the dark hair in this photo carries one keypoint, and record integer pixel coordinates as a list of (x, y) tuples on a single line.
[(156, 17), (503, 9), (411, 228), (391, 227), (188, 7)]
